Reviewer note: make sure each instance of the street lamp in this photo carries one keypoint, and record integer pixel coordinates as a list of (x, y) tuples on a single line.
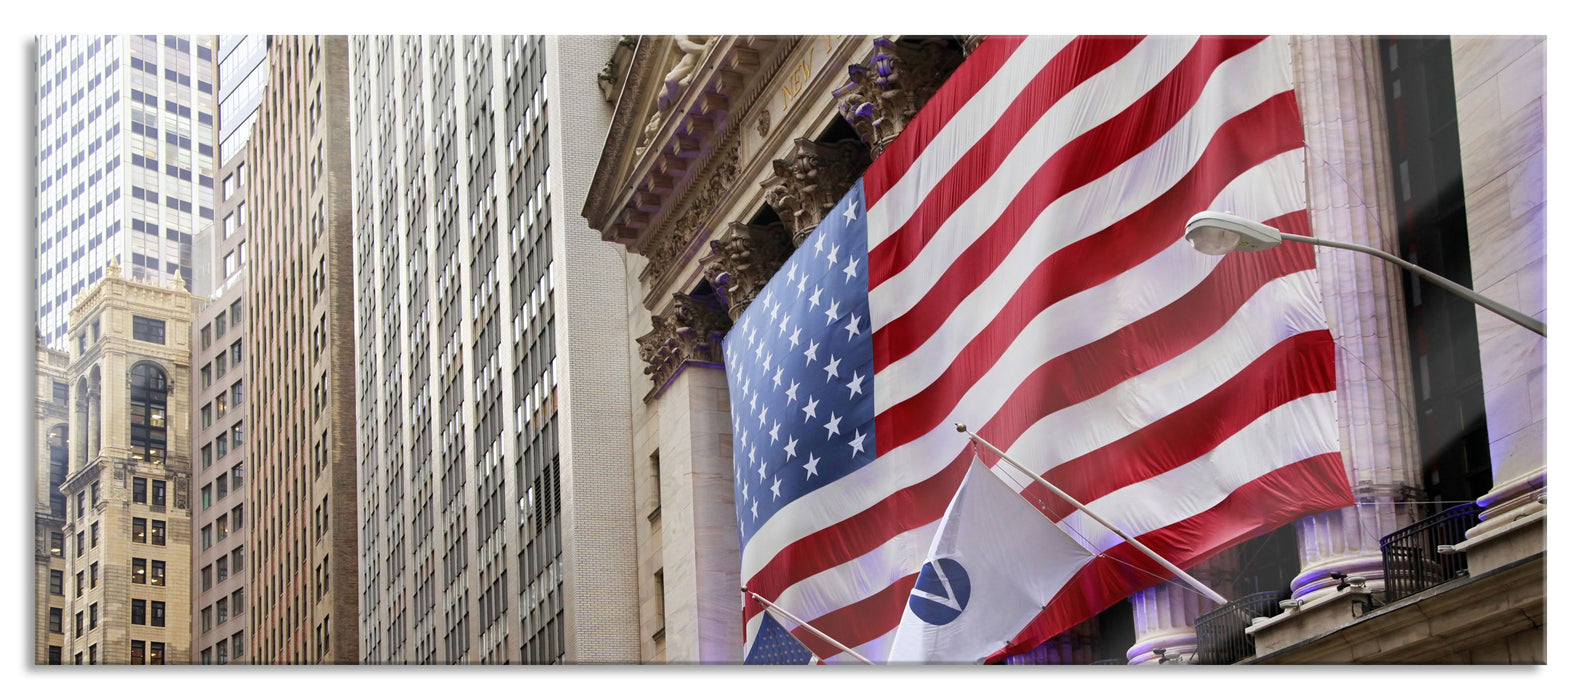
[(1218, 233)]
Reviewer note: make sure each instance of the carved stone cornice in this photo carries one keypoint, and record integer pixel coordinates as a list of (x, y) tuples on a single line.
[(692, 331), (894, 83), (664, 250), (743, 261), (670, 115), (808, 183)]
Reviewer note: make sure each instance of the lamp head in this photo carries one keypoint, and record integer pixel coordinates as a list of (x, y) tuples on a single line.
[(1218, 233)]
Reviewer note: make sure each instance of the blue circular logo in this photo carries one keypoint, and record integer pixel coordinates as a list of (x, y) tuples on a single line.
[(941, 592)]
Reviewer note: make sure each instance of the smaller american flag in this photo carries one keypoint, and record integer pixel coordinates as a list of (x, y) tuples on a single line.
[(800, 361)]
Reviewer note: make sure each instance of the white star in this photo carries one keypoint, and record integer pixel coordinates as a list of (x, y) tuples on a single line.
[(783, 320), (761, 466), (796, 337), (774, 433), (763, 415), (833, 426), (774, 311), (811, 409), (774, 488), (856, 443), (752, 454), (766, 363), (833, 368), (855, 384), (818, 245), (833, 257), (851, 211), (744, 490), (812, 350), (755, 509), (812, 301), (833, 312), (801, 283), (852, 328), (811, 467), (778, 372), (793, 270), (791, 393), (790, 448), (851, 269)]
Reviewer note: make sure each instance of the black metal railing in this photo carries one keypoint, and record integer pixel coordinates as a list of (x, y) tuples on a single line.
[(1222, 634), (1413, 561)]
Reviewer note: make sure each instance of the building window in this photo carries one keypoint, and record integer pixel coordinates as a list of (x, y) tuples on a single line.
[(54, 655), (206, 657), (140, 530), (148, 330), (208, 577), (156, 573), (57, 582), (93, 532), (137, 652), (57, 544), (156, 613), (222, 611), (156, 653), (236, 353), (79, 584), (222, 569), (139, 489), (93, 616), (77, 628), (206, 618), (82, 544), (156, 533), (148, 389), (93, 654), (156, 492), (139, 570), (139, 611), (208, 537), (236, 564), (93, 575), (236, 646), (219, 325), (55, 617)]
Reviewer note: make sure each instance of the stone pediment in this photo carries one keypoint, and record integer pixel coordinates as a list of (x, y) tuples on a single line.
[(677, 99)]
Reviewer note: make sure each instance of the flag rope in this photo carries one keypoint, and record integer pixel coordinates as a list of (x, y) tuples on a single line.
[(1172, 568)]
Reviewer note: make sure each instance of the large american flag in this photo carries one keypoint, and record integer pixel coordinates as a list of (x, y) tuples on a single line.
[(1014, 261)]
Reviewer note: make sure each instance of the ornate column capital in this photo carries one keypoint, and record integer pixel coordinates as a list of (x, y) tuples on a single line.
[(809, 182), (743, 261), (886, 91), (692, 330)]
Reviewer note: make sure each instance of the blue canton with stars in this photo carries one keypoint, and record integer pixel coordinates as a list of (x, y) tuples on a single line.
[(800, 365)]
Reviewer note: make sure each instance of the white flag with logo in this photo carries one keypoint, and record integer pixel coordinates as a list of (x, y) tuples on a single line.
[(995, 562)]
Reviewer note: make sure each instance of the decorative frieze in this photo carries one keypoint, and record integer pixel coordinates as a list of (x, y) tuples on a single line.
[(665, 250), (895, 82), (743, 260), (692, 330), (811, 181)]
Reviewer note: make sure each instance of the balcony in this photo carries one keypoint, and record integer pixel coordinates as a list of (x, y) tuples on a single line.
[(1419, 556), (1222, 637)]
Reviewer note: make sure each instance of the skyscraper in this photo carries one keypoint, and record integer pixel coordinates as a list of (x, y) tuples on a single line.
[(220, 342), (128, 527), (491, 416), (302, 573), (125, 164)]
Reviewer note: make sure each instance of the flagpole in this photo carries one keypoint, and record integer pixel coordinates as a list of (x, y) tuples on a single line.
[(1184, 576), (809, 627)]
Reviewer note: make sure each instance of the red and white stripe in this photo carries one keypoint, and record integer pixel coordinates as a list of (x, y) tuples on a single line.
[(1028, 278)]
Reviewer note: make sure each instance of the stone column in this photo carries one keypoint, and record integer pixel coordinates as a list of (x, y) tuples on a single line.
[(1500, 107), (699, 546), (1163, 617), (1338, 87)]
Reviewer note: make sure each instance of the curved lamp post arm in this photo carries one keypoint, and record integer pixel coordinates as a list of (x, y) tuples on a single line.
[(1513, 315)]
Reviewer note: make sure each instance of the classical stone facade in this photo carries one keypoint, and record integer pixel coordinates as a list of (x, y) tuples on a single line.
[(51, 434), (127, 490), (724, 152)]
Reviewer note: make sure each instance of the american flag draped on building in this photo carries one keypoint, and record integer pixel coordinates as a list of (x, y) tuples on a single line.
[(1014, 261)]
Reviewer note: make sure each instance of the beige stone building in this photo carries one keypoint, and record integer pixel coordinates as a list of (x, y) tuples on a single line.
[(723, 151), (127, 528), (51, 401), (301, 548)]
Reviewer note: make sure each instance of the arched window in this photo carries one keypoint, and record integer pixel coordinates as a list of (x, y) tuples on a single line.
[(149, 386), (57, 470)]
